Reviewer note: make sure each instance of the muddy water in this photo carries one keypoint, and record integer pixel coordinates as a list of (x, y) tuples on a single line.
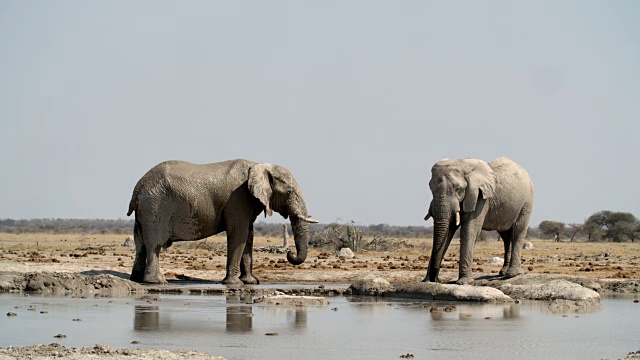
[(348, 328)]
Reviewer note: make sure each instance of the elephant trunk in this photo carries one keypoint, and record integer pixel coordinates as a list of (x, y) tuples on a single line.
[(441, 228), (300, 230)]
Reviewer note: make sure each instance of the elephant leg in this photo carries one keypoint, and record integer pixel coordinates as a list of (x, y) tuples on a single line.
[(152, 272), (519, 233), (246, 276), (467, 243), (507, 237), (140, 263), (469, 232), (236, 243)]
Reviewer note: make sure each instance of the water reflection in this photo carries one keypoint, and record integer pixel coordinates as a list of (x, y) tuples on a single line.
[(239, 317), (146, 318), (471, 312)]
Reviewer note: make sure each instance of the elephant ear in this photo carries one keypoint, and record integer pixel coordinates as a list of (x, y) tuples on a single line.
[(259, 182), (480, 179)]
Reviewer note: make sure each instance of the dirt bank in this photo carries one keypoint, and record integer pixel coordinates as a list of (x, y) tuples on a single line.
[(54, 350)]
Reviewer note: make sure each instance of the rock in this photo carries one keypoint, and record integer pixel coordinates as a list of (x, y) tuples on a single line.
[(527, 245), (128, 242), (73, 284), (291, 300), (451, 292), (551, 290), (496, 260), (371, 285), (346, 253), (564, 306)]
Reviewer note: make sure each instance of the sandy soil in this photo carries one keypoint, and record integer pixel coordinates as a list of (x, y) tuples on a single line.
[(106, 254)]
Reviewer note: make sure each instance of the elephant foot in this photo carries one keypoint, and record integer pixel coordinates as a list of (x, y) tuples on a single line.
[(426, 279), (137, 276), (464, 280), (503, 270), (154, 279), (250, 280), (230, 280), (513, 272)]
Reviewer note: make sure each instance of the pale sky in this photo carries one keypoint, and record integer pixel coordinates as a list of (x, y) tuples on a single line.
[(357, 98)]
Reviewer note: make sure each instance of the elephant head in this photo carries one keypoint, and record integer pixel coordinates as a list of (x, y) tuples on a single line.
[(456, 186), (278, 191)]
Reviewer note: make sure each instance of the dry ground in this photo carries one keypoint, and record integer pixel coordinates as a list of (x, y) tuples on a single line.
[(106, 253)]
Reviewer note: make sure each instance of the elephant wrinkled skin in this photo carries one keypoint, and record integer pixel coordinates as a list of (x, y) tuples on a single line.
[(472, 195), (180, 201)]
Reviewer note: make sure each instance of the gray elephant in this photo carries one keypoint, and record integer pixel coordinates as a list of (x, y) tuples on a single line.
[(180, 201), (472, 195)]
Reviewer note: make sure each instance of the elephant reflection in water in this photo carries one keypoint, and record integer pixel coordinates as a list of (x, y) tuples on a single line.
[(239, 317), (146, 318), (509, 311)]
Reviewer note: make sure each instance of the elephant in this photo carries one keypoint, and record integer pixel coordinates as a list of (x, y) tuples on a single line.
[(472, 195), (181, 201)]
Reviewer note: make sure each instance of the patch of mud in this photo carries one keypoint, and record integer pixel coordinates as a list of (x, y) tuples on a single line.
[(68, 284), (54, 350)]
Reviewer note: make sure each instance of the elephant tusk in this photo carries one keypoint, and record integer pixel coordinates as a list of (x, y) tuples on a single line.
[(426, 217), (457, 218), (308, 220)]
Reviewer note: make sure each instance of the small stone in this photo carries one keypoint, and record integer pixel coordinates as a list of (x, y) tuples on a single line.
[(77, 319), (44, 312), (135, 342), (272, 334), (11, 314), (636, 301), (60, 336), (407, 356)]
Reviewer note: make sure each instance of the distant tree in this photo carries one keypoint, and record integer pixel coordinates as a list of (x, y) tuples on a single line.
[(573, 230), (551, 229), (613, 226)]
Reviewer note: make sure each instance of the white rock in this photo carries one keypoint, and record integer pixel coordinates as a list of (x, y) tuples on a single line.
[(371, 285), (292, 300), (496, 260), (555, 289), (527, 245), (128, 241), (346, 253)]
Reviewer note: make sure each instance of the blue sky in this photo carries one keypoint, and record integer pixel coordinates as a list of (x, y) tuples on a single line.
[(357, 98)]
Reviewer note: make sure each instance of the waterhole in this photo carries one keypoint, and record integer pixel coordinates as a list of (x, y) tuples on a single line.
[(348, 328)]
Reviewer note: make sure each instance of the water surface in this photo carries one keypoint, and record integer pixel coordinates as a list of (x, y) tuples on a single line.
[(351, 327)]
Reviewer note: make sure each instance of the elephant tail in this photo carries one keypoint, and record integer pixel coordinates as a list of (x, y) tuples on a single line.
[(134, 199)]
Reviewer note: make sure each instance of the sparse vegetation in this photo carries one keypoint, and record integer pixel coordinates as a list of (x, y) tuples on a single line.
[(601, 226)]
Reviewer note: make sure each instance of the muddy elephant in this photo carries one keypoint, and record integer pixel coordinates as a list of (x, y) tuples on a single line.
[(180, 201), (472, 195)]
